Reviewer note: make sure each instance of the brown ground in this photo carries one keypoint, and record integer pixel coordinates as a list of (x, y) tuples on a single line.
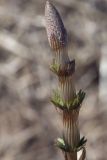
[(28, 121)]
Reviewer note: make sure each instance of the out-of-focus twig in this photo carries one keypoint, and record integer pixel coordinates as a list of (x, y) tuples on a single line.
[(10, 44)]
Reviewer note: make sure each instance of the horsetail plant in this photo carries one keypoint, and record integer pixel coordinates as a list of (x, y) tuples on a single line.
[(65, 98)]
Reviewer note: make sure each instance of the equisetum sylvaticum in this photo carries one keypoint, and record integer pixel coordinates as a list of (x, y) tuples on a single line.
[(65, 98)]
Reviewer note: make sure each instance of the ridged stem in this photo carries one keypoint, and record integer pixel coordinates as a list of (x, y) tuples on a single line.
[(71, 156), (71, 131), (66, 87), (61, 57)]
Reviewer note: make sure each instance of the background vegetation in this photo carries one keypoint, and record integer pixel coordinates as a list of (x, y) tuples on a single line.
[(28, 121)]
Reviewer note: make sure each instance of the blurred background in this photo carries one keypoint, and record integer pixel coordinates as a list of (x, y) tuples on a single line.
[(29, 123)]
